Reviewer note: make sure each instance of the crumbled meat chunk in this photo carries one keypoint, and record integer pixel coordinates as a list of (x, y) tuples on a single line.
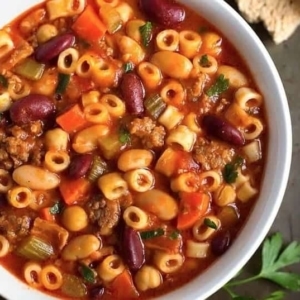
[(20, 145), (14, 227), (212, 154), (104, 213), (151, 136)]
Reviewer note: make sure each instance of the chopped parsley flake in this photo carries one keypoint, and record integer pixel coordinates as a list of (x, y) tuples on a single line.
[(146, 33), (204, 61), (211, 224), (230, 173), (221, 85)]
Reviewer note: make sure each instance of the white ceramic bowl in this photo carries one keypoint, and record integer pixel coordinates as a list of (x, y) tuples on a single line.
[(276, 174)]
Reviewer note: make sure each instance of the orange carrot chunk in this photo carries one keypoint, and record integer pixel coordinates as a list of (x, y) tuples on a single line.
[(123, 287), (192, 207), (89, 26), (45, 214), (72, 120), (74, 190)]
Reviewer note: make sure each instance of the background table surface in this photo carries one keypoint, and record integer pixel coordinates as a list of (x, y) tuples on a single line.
[(287, 59)]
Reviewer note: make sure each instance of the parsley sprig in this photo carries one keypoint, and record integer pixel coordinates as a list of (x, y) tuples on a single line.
[(221, 85), (230, 171), (146, 33), (274, 258)]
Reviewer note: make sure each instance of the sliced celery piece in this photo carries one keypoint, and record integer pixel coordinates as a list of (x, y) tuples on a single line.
[(155, 106), (30, 69), (35, 249), (73, 286), (98, 168), (111, 18)]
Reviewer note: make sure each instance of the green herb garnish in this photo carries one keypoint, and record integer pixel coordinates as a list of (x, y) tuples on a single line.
[(174, 235), (230, 172), (87, 274), (211, 224), (146, 33), (278, 295), (124, 135), (204, 61), (63, 81), (221, 85), (128, 67), (274, 258), (3, 81), (145, 235), (56, 208)]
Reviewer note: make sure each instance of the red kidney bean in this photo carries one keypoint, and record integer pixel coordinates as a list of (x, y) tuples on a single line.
[(32, 108), (133, 248), (80, 165), (97, 292), (220, 243), (223, 130), (164, 12), (133, 93), (52, 48)]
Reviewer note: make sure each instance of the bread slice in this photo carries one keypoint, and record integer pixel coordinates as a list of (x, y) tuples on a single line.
[(280, 17)]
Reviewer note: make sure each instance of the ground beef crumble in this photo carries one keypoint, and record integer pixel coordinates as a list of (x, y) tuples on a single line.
[(212, 154), (151, 135), (14, 227), (104, 213), (20, 144)]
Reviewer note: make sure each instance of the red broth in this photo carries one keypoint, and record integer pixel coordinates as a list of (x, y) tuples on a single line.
[(130, 157)]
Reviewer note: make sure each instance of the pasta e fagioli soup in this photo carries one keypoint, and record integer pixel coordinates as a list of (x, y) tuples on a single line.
[(132, 146)]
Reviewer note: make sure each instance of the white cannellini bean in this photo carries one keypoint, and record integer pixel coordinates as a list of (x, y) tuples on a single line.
[(35, 178)]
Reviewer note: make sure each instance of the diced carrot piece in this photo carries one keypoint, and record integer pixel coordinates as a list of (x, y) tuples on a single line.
[(74, 190), (89, 26), (72, 120), (164, 243), (122, 287), (46, 214), (192, 207)]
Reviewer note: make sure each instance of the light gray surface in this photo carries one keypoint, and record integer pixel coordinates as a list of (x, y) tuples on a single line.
[(287, 59)]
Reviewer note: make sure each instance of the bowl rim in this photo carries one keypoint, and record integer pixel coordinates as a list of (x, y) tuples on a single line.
[(257, 58)]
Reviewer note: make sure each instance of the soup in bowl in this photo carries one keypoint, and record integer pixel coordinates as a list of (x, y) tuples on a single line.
[(145, 148)]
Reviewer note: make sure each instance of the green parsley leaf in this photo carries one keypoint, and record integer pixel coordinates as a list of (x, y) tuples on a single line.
[(174, 235), (242, 298), (204, 61), (63, 81), (145, 235), (56, 208), (209, 223), (3, 81), (124, 135), (87, 274), (128, 67), (274, 258), (146, 33), (230, 173), (221, 85), (278, 295)]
